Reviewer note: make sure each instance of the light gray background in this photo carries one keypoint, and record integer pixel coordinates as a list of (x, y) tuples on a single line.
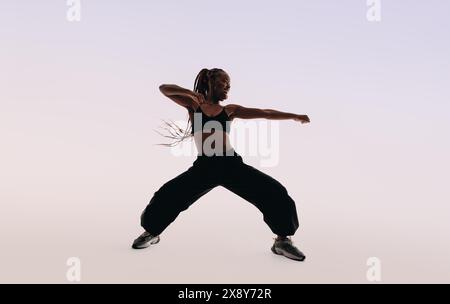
[(79, 102)]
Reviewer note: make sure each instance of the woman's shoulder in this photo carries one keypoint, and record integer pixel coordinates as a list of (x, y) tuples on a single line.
[(230, 110)]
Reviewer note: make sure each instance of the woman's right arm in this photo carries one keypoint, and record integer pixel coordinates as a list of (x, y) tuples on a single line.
[(184, 97)]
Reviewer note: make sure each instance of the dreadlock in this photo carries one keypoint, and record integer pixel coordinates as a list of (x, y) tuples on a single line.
[(205, 80), (203, 84)]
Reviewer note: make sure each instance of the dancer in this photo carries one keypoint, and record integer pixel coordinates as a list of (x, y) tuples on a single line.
[(218, 164)]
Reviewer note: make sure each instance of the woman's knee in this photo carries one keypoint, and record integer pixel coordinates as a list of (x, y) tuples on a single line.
[(280, 190), (286, 198), (166, 192)]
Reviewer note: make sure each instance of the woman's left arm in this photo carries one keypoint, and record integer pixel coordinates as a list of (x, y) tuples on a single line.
[(238, 111)]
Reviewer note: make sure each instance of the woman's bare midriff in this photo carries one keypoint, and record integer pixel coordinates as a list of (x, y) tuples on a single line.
[(220, 137)]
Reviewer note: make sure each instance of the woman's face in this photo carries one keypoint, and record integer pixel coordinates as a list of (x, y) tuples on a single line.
[(221, 86)]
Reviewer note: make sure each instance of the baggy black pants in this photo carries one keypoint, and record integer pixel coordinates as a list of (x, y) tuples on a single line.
[(264, 192)]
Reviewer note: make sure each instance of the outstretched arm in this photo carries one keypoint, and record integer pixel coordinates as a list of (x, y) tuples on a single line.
[(252, 113), (184, 97)]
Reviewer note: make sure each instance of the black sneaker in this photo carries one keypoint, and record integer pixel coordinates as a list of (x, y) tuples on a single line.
[(285, 247), (145, 240)]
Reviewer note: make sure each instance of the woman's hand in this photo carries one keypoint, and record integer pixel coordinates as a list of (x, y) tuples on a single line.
[(200, 98), (302, 118), (184, 97)]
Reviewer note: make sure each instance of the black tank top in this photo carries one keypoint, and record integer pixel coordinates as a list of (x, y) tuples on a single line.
[(222, 118)]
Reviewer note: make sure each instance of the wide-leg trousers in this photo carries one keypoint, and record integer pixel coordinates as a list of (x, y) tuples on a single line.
[(206, 173)]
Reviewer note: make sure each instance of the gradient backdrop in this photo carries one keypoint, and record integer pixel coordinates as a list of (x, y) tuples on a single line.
[(78, 160)]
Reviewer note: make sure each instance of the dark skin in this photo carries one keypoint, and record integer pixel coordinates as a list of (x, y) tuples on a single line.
[(211, 105)]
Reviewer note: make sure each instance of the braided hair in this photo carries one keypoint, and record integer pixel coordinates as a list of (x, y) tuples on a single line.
[(204, 82)]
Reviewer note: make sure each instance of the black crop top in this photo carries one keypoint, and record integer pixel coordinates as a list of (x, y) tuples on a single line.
[(222, 118)]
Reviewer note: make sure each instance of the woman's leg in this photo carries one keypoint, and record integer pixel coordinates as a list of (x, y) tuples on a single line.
[(267, 194), (174, 197)]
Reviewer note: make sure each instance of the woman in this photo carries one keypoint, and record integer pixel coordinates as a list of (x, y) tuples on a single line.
[(217, 164)]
